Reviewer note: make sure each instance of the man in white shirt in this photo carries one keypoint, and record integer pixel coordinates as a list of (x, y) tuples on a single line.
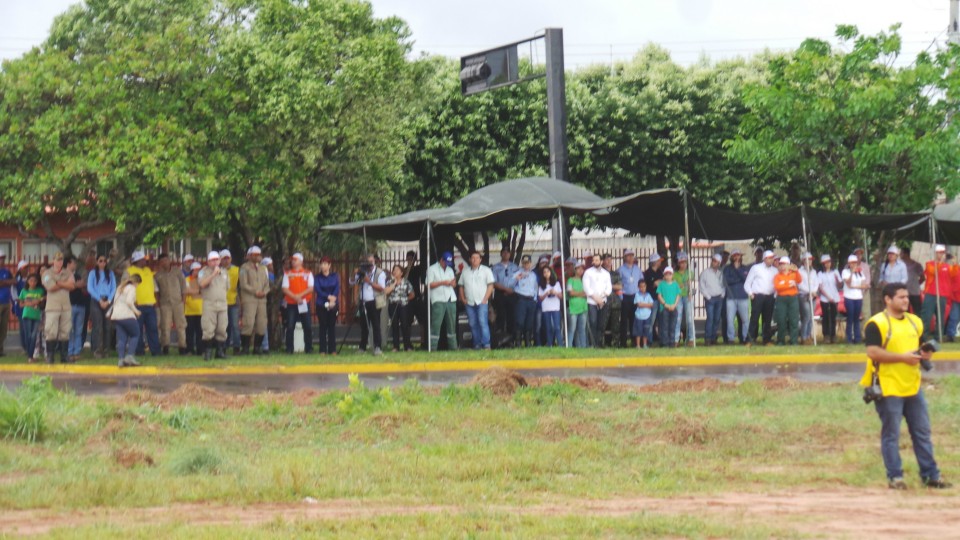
[(598, 287), (476, 287), (372, 283), (443, 300), (808, 288), (759, 286)]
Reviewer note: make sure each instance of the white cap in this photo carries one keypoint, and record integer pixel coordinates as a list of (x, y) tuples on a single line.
[(587, 253), (736, 252), (254, 250), (893, 249), (137, 256), (577, 264), (20, 265), (654, 257), (213, 255), (297, 255), (768, 254), (267, 261), (940, 247), (668, 270), (807, 255), (853, 258), (187, 258), (629, 251), (825, 257), (718, 257), (224, 253), (681, 256), (196, 266), (784, 260), (557, 255)]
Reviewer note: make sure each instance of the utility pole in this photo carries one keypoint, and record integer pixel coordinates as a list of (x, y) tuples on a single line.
[(557, 126), (953, 31)]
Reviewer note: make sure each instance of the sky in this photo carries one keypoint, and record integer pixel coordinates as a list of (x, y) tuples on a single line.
[(599, 31)]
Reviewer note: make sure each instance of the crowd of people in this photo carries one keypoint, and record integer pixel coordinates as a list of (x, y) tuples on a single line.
[(218, 305)]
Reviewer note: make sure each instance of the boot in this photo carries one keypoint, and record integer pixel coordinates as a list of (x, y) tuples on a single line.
[(52, 351), (207, 350), (244, 345), (236, 351), (258, 345), (166, 351), (64, 348), (221, 350)]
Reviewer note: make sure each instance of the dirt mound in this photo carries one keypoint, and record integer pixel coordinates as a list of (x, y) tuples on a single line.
[(595, 384), (781, 383), (687, 385), (500, 381), (189, 394), (131, 457), (690, 431)]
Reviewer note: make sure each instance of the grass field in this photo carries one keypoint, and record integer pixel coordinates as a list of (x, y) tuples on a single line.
[(561, 459), (353, 356)]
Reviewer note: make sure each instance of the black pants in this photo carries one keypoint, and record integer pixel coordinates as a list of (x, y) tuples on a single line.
[(327, 322), (762, 305), (829, 310), (400, 324), (916, 301), (371, 318), (628, 311), (293, 317), (194, 334)]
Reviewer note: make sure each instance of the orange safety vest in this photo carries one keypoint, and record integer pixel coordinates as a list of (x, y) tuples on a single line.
[(297, 283)]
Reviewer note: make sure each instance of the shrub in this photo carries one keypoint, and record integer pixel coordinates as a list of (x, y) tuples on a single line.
[(23, 414), (360, 401), (196, 461)]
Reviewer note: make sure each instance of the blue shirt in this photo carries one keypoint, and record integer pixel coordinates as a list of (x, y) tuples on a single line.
[(503, 273), (107, 287), (630, 276), (643, 313), (326, 286), (5, 295), (734, 279), (528, 285)]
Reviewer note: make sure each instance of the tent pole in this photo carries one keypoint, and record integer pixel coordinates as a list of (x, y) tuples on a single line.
[(688, 314), (936, 277), (364, 239), (806, 262), (563, 278), (429, 305)]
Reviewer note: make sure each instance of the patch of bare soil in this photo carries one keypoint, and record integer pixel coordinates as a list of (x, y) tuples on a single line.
[(832, 513), (189, 394), (129, 458), (499, 381), (595, 384), (687, 385), (781, 383)]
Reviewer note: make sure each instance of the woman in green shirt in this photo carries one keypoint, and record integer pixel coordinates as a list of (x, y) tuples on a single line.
[(30, 299), (577, 310)]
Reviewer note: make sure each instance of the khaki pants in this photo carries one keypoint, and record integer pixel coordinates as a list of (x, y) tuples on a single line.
[(254, 317), (57, 326), (172, 314), (214, 324)]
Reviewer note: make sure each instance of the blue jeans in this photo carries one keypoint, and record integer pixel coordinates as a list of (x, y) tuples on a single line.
[(668, 325), (738, 307), (551, 319), (953, 320), (150, 329), (806, 317), (854, 308), (479, 320), (28, 332), (78, 315), (914, 409), (577, 330), (685, 316), (524, 317), (128, 336), (233, 325), (714, 310)]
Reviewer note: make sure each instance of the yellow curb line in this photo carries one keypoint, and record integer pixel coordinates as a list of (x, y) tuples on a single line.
[(462, 365)]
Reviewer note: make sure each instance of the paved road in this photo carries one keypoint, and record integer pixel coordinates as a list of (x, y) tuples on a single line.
[(251, 384)]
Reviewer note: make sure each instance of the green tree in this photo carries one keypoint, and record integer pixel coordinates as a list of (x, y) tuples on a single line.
[(849, 130)]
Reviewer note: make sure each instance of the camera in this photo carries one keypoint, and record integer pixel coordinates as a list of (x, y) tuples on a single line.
[(365, 268), (872, 393), (931, 346)]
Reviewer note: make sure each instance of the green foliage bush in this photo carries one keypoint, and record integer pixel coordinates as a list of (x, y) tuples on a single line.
[(23, 413), (199, 460), (359, 401)]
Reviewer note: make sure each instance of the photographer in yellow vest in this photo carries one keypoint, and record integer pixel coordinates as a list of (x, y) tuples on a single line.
[(892, 382)]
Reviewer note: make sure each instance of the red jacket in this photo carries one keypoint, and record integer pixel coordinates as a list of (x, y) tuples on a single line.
[(947, 273)]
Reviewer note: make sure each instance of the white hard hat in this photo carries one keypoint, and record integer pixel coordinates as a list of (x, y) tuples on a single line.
[(784, 260), (893, 249), (768, 254), (297, 255), (267, 261), (254, 250), (196, 266), (187, 258), (213, 255), (137, 256), (225, 253), (853, 258)]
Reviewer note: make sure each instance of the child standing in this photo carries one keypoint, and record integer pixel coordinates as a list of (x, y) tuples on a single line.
[(642, 323), (31, 296), (668, 293)]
